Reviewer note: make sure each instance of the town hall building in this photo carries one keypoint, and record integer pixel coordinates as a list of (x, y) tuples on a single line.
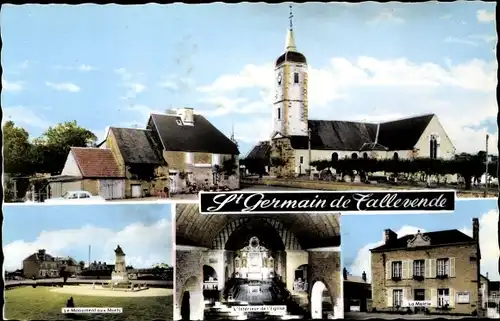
[(298, 140)]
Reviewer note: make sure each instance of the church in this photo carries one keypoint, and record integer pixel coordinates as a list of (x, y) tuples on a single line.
[(298, 140)]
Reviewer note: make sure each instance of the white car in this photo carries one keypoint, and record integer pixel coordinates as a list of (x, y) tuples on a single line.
[(77, 197)]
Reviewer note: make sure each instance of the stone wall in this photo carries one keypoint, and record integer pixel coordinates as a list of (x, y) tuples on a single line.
[(188, 264), (113, 146), (281, 148), (464, 278), (325, 266), (91, 186)]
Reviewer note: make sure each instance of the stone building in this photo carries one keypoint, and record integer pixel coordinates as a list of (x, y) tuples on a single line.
[(294, 133), (173, 151), (290, 260), (43, 265), (357, 292), (440, 270)]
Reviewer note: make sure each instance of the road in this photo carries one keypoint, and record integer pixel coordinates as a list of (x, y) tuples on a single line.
[(73, 280), (388, 316), (194, 197)]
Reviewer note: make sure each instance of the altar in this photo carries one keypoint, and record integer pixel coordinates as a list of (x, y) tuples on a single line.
[(254, 262)]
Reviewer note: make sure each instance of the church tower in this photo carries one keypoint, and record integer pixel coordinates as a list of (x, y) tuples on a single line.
[(290, 108)]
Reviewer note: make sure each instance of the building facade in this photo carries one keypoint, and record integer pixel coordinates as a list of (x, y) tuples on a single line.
[(42, 265), (297, 140), (438, 271)]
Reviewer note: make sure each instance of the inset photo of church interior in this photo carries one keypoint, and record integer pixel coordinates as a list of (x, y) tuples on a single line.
[(238, 267)]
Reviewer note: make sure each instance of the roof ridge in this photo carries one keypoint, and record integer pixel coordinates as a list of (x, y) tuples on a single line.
[(407, 118)]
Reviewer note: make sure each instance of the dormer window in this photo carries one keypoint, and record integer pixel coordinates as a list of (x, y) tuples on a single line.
[(296, 78), (179, 122)]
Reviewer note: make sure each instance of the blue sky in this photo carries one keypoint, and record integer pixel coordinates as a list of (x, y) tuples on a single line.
[(358, 238), (112, 65), (143, 231)]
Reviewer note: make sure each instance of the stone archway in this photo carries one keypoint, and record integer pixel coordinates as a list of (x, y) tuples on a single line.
[(192, 300), (317, 291), (209, 273)]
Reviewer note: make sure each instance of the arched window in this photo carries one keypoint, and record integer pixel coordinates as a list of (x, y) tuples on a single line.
[(433, 147), (335, 157), (365, 155), (354, 156), (395, 156)]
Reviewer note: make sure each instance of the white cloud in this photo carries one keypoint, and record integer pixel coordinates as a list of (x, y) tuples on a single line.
[(24, 116), (12, 86), (362, 262), (488, 242), (386, 16), (143, 244), (367, 87), (133, 87), (63, 86), (485, 16), (84, 67), (460, 41), (484, 38)]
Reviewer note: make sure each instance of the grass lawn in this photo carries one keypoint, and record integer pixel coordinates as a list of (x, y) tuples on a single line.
[(28, 303)]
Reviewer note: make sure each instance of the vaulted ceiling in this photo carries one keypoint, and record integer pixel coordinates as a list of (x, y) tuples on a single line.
[(309, 230)]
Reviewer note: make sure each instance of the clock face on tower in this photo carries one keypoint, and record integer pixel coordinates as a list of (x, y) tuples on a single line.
[(279, 78)]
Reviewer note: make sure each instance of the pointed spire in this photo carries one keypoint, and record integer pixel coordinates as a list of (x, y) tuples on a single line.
[(290, 39)]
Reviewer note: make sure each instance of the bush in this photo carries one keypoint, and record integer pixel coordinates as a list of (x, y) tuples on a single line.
[(465, 165)]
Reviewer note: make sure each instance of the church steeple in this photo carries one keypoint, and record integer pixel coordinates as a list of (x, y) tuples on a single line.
[(290, 39)]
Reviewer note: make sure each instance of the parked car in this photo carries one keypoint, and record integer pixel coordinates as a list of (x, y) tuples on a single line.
[(77, 197)]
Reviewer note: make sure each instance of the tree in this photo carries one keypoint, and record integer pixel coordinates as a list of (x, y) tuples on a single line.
[(17, 150), (53, 146), (82, 265)]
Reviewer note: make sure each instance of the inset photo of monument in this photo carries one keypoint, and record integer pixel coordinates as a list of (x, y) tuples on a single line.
[(249, 266), (88, 256), (422, 266)]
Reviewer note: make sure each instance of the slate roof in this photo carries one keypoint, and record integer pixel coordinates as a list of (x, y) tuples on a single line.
[(201, 137), (260, 151), (438, 238), (137, 146), (39, 257), (402, 134), (494, 286), (96, 162)]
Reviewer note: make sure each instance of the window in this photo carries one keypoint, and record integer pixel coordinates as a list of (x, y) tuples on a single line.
[(419, 268), (179, 122), (395, 156), (365, 155), (433, 146), (335, 157), (397, 269), (397, 297), (83, 195), (302, 159), (354, 156), (296, 78), (279, 113), (443, 297), (71, 196), (443, 266), (419, 295)]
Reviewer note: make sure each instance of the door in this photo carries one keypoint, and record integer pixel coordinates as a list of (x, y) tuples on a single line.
[(136, 191), (112, 188)]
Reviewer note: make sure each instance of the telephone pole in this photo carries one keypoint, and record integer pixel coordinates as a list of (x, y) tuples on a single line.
[(309, 150)]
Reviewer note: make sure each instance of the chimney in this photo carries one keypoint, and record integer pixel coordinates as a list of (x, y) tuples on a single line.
[(363, 276), (187, 115), (487, 276), (389, 236), (475, 229), (41, 252), (345, 273)]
